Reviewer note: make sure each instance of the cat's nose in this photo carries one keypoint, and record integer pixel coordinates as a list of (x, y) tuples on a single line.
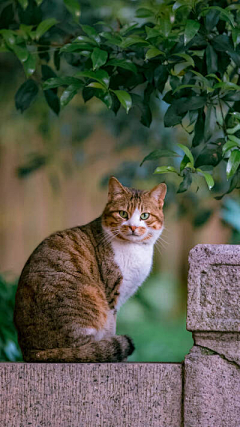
[(132, 227)]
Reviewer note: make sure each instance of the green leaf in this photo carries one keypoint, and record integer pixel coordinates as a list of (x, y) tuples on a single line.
[(26, 95), (44, 26), (184, 87), (99, 57), (226, 86), (209, 179), (116, 40), (105, 98), (152, 32), (179, 108), (52, 100), (228, 146), (212, 19), (30, 65), (50, 94), (74, 47), (74, 8), (123, 63), (165, 169), (172, 117), (21, 52), (160, 77), (132, 40), (186, 182), (233, 163), (209, 156), (236, 114), (191, 30), (47, 72), (152, 52), (124, 98), (210, 122), (233, 130), (157, 154), (205, 82), (236, 36), (233, 96), (61, 81), (68, 95), (85, 40), (225, 14), (165, 26), (26, 31), (143, 105), (9, 37), (184, 162), (23, 3), (144, 13), (91, 32), (187, 152), (97, 85), (211, 60), (222, 43), (199, 129), (187, 57), (100, 76), (234, 139)]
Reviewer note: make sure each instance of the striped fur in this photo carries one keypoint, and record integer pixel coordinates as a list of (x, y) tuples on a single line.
[(66, 301)]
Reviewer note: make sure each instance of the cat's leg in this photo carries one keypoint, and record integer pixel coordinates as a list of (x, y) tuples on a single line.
[(85, 332), (114, 349)]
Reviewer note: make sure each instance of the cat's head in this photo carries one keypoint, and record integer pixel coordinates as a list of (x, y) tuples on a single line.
[(134, 215)]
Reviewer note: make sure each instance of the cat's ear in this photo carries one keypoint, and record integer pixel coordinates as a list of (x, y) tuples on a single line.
[(159, 193), (115, 188)]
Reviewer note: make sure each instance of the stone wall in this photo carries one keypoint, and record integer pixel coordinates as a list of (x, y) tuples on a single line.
[(212, 369), (204, 391)]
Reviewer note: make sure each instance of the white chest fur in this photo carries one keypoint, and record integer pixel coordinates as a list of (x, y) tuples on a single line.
[(135, 262)]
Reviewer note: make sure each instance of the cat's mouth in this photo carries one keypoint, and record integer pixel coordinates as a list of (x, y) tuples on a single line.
[(131, 237)]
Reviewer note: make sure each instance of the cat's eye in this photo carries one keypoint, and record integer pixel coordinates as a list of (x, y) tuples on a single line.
[(123, 214), (144, 215)]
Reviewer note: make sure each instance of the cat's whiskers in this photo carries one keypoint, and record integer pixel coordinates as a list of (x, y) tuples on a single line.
[(158, 248), (163, 240), (161, 243), (108, 238)]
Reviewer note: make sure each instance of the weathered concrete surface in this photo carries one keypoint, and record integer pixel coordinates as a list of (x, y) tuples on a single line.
[(211, 391), (90, 395), (226, 344), (214, 288)]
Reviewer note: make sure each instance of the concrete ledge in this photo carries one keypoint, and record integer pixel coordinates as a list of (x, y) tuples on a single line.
[(226, 344), (211, 391), (90, 395), (214, 288)]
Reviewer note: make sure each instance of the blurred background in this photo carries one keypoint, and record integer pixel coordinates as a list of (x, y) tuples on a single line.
[(54, 173)]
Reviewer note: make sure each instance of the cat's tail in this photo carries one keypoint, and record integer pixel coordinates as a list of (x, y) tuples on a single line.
[(114, 349)]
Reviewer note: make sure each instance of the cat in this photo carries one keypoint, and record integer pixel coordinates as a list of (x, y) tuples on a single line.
[(76, 280)]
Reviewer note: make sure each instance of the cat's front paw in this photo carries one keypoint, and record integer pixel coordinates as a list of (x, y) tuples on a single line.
[(131, 346)]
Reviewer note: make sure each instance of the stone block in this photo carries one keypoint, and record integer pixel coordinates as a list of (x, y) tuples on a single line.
[(226, 344), (214, 288), (211, 391), (90, 395)]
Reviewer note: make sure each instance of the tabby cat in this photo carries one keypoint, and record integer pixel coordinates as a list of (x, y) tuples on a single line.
[(75, 281)]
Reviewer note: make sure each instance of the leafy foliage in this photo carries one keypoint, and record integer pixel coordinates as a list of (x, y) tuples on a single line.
[(186, 52), (9, 349)]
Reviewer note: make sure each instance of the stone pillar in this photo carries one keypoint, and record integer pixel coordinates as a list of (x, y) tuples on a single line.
[(212, 369)]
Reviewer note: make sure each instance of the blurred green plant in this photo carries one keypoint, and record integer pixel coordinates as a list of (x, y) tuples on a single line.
[(9, 348), (152, 318), (187, 51), (230, 213)]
